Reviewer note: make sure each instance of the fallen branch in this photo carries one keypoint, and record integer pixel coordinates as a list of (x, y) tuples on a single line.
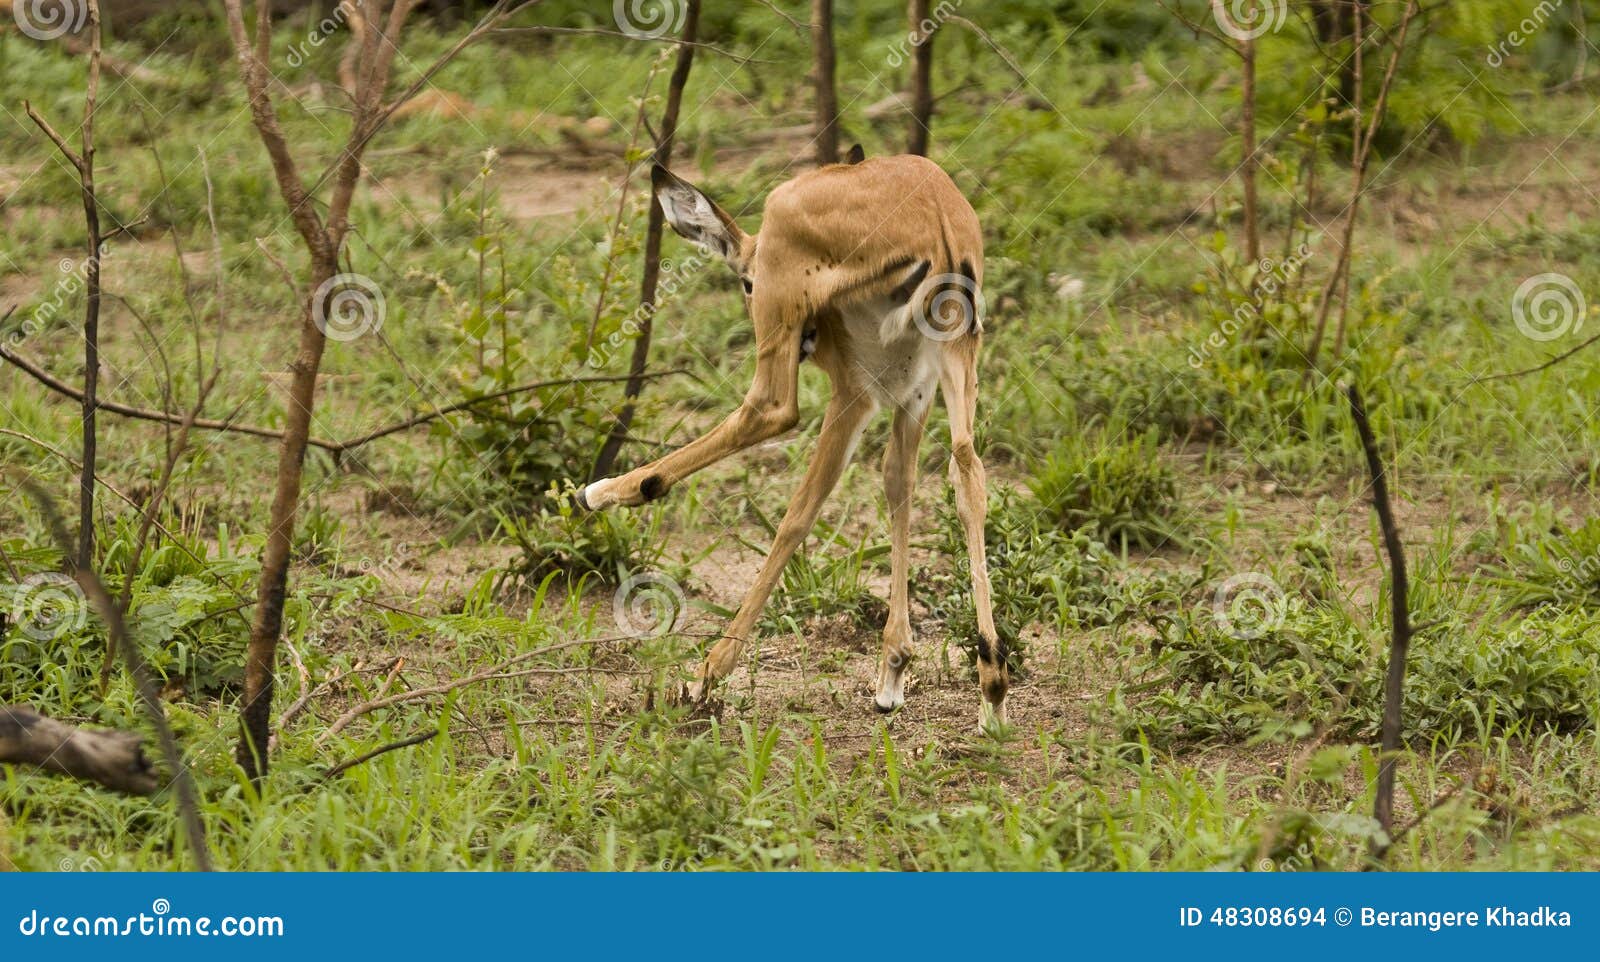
[(114, 759), (501, 671), (1400, 622), (348, 764), (1539, 367)]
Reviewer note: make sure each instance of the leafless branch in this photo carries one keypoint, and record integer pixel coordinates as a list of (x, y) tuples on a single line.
[(38, 373), (1537, 367), (143, 681), (1363, 153), (83, 160), (504, 670)]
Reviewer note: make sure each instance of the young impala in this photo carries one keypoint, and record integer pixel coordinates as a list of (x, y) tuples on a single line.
[(874, 271)]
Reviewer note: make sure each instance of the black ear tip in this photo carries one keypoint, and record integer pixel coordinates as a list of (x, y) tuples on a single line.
[(856, 155), (660, 175)]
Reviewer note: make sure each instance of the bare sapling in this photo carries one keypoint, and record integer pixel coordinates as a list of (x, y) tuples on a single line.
[(323, 236)]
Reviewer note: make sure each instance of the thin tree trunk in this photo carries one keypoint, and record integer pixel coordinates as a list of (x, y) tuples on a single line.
[(1358, 154), (827, 98), (652, 250), (921, 77), (267, 626), (91, 312), (323, 242), (1247, 137)]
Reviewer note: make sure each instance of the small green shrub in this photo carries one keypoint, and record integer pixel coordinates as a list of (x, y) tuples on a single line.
[(1559, 568), (556, 536), (826, 581), (1116, 491), (1308, 667)]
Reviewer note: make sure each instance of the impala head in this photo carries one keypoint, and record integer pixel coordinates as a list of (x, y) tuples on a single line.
[(697, 218)]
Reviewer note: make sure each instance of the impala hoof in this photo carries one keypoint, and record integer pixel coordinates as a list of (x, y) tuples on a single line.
[(991, 718), (696, 696), (599, 495)]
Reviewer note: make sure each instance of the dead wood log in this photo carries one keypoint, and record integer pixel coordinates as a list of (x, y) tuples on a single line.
[(106, 757)]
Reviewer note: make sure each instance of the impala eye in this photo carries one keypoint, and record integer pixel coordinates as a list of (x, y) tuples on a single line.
[(749, 285)]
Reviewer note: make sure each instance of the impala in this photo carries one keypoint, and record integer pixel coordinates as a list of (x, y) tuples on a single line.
[(873, 270)]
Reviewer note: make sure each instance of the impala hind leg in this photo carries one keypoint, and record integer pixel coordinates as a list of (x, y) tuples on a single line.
[(770, 408), (958, 380), (899, 480), (841, 428)]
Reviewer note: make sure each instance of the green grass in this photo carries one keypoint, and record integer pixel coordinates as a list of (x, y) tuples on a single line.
[(1148, 455)]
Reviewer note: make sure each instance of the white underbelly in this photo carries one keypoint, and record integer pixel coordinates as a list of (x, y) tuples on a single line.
[(897, 363)]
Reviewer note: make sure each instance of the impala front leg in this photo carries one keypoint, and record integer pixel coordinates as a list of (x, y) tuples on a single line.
[(770, 408)]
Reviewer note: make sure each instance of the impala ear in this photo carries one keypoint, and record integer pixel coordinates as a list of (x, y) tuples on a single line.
[(856, 155), (694, 216)]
